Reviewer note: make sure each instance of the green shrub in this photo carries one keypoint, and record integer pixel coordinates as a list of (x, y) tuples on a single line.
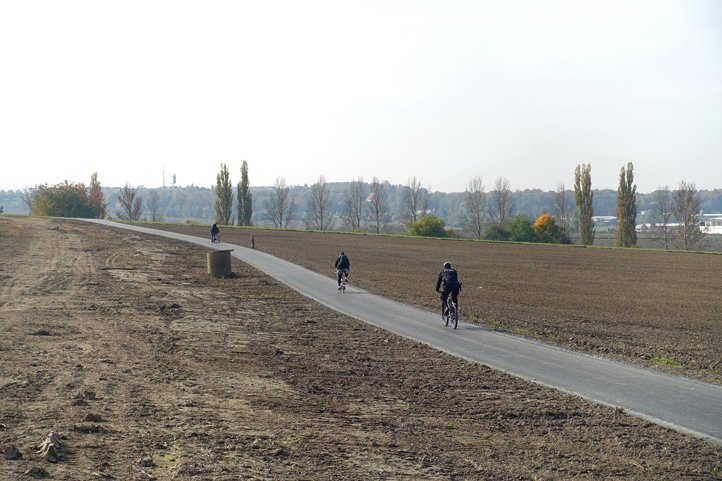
[(63, 200), (428, 226), (520, 229), (496, 232)]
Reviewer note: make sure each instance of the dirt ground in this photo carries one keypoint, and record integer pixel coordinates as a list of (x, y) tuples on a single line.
[(650, 307), (147, 368)]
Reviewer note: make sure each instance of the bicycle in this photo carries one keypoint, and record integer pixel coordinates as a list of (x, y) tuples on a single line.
[(450, 312), (344, 279)]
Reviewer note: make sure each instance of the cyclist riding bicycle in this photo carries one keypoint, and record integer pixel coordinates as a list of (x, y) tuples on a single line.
[(342, 265), (448, 283), (215, 233)]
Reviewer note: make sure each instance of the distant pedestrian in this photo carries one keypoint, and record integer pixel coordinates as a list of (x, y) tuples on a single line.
[(253, 242)]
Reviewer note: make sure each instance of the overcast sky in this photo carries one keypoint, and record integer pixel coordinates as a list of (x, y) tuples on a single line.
[(440, 90)]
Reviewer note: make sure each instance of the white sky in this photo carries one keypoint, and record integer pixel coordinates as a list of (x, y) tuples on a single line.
[(441, 90)]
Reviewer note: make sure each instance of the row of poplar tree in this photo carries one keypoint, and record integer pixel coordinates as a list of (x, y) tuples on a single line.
[(684, 204), (77, 200), (280, 208), (224, 197)]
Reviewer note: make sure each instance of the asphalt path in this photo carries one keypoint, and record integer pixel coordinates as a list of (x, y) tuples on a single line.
[(676, 402)]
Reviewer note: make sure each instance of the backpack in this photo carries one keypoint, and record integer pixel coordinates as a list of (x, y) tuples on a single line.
[(450, 278), (342, 262)]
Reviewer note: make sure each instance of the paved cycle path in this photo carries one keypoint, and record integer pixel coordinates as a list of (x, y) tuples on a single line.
[(676, 402)]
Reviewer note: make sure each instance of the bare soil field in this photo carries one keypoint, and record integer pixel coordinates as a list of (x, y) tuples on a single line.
[(147, 368), (661, 309)]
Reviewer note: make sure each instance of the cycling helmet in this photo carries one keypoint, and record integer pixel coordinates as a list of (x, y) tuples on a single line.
[(447, 265), (343, 253)]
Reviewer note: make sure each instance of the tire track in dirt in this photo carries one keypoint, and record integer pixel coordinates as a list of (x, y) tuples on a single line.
[(32, 268), (29, 308), (243, 379), (71, 369)]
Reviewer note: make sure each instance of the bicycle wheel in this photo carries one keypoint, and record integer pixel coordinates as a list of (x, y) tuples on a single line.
[(455, 314)]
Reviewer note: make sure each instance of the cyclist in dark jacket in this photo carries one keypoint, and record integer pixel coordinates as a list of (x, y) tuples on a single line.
[(342, 265), (448, 283), (215, 233)]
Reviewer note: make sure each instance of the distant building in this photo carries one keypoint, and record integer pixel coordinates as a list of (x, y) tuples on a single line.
[(708, 224), (711, 223), (604, 222)]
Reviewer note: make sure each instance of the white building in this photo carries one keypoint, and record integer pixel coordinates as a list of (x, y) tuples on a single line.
[(711, 223), (708, 224)]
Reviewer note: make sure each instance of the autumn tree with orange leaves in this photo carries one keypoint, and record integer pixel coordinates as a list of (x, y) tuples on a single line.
[(546, 230)]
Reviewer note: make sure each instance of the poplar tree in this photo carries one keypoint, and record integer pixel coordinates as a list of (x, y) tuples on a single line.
[(224, 197), (97, 198), (583, 196), (245, 197), (626, 234), (561, 208)]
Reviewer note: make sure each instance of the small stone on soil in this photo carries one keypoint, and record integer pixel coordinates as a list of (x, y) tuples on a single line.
[(37, 472), (12, 453)]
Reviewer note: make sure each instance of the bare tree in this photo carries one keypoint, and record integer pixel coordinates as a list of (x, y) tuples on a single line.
[(584, 196), (354, 205), (224, 197), (28, 196), (626, 234), (562, 210), (662, 214), (502, 207), (245, 197), (415, 200), (154, 208), (377, 205), (319, 206), (475, 204), (686, 208), (130, 203), (280, 206)]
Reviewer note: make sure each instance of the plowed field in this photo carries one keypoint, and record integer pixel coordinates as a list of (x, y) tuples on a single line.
[(146, 368), (655, 308)]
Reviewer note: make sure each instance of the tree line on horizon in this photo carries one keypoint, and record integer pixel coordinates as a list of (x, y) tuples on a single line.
[(367, 207), (377, 206)]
